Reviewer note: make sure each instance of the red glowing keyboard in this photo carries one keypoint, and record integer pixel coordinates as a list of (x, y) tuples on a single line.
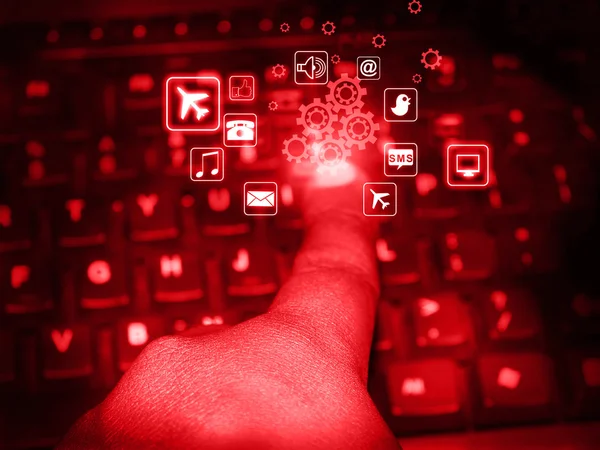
[(485, 320)]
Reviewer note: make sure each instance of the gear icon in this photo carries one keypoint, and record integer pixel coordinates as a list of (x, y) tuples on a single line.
[(428, 53), (417, 78), (328, 28), (295, 157), (329, 154), (359, 129), (335, 59), (273, 105), (317, 118), (284, 27), (278, 70), (345, 93), (378, 41), (415, 6)]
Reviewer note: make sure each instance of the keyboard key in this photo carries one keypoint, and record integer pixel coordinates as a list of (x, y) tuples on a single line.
[(25, 284), (514, 386), (7, 356), (441, 320), (423, 388), (218, 217), (102, 280), (134, 335), (251, 271), (511, 314), (468, 255), (398, 261), (584, 371), (524, 250), (82, 223), (15, 228), (431, 200), (67, 352), (177, 277), (152, 217)]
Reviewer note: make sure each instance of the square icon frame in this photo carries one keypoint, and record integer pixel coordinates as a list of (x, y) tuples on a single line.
[(416, 157), (387, 183), (276, 198), (400, 120), (218, 103)]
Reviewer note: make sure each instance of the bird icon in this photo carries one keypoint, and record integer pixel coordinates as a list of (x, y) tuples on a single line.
[(402, 104)]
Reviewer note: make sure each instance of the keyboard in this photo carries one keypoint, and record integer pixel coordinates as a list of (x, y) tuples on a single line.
[(487, 317)]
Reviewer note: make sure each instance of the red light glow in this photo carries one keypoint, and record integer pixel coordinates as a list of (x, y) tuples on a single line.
[(242, 261), (384, 254), (62, 341), (139, 31), (516, 116), (508, 378), (147, 203), (265, 25), (181, 29), (137, 334), (75, 207), (413, 386), (307, 23), (99, 272), (5, 216), (19, 275), (224, 26), (427, 307), (171, 266)]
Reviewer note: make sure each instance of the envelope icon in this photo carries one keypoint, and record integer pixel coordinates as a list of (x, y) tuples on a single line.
[(260, 198)]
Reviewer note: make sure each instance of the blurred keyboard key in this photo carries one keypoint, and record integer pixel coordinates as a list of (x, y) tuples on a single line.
[(25, 284), (15, 227), (177, 277), (584, 371), (398, 261), (102, 280), (134, 335), (67, 352), (514, 386), (152, 217), (468, 255), (7, 356), (251, 271), (82, 222), (423, 388), (511, 314), (527, 250), (431, 200), (217, 215), (441, 320)]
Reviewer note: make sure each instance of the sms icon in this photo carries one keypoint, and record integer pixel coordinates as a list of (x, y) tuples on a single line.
[(400, 160)]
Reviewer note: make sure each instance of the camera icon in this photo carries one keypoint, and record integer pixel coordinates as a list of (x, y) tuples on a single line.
[(368, 67)]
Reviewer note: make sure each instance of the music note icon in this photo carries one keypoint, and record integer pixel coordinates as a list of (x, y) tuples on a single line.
[(207, 164)]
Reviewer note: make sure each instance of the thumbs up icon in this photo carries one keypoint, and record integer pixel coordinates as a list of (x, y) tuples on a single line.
[(241, 87)]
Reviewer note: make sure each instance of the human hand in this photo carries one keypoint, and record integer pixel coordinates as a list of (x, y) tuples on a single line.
[(294, 377)]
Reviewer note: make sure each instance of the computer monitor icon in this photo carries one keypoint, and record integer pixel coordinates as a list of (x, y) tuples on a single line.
[(467, 165)]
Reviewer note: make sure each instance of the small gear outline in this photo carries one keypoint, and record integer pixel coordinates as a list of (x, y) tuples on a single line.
[(331, 29), (284, 27), (351, 136), (273, 105), (278, 70), (419, 6), (312, 127), (295, 158), (380, 37), (347, 104), (335, 59), (438, 58), (330, 165), (417, 78)]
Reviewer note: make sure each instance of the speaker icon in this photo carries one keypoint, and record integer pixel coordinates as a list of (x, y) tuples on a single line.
[(311, 67)]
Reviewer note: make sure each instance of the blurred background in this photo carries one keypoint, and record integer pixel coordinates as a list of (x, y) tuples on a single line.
[(488, 325)]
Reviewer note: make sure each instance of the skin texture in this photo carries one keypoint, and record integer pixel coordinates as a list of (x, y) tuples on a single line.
[(292, 378)]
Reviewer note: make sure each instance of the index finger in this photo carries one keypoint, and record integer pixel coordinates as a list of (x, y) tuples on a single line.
[(334, 285)]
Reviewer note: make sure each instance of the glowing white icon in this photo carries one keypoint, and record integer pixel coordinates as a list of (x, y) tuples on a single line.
[(378, 198), (402, 104), (188, 101), (310, 67)]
